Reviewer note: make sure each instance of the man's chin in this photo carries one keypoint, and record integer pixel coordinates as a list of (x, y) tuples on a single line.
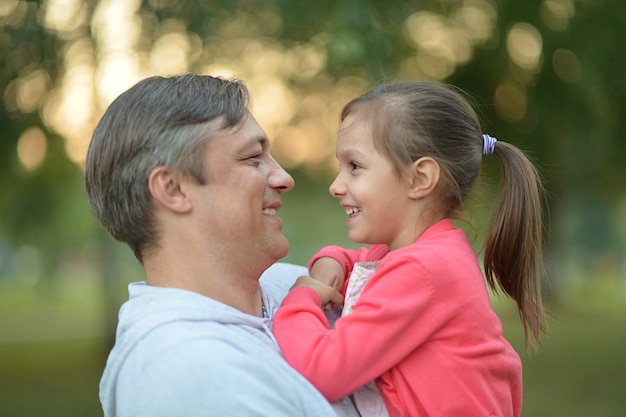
[(281, 248)]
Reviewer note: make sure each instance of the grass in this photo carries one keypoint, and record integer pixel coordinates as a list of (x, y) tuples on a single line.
[(52, 353), (52, 350), (580, 370), (51, 378)]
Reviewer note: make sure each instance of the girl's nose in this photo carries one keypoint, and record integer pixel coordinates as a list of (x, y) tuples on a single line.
[(336, 188)]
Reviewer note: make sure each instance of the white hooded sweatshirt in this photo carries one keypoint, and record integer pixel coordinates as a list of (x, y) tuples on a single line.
[(179, 353)]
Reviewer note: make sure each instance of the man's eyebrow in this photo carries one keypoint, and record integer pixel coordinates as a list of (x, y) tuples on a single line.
[(254, 141)]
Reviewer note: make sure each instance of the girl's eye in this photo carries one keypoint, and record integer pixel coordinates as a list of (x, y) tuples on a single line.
[(354, 165)]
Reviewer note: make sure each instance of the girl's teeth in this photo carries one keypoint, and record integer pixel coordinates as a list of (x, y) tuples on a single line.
[(269, 211)]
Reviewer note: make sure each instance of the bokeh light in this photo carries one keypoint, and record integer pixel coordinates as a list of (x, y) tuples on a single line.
[(510, 101), (31, 148), (525, 46), (567, 65), (556, 14), (443, 43)]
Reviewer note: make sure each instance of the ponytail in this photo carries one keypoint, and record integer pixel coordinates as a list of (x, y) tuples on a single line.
[(513, 248)]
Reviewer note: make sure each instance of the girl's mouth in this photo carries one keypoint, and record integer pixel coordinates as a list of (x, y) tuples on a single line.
[(352, 211)]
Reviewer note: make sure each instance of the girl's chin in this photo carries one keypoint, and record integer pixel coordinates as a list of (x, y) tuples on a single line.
[(356, 238)]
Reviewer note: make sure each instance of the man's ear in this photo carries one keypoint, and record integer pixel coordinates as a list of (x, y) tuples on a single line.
[(424, 174), (165, 186)]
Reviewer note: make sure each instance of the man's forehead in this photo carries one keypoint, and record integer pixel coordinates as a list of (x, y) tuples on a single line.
[(245, 134)]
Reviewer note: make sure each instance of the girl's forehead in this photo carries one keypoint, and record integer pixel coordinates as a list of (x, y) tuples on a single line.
[(355, 139), (355, 123)]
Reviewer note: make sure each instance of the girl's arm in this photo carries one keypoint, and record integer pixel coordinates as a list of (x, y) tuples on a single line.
[(366, 343), (328, 271), (333, 264)]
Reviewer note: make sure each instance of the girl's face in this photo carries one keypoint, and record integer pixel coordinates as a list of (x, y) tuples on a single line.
[(376, 201)]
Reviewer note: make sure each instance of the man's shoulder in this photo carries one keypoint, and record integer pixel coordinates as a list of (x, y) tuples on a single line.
[(279, 277)]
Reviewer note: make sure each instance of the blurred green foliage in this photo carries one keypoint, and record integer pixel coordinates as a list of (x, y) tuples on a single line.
[(570, 117), (564, 104)]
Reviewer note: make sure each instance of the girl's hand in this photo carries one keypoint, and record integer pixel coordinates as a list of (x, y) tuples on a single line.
[(331, 298), (328, 271)]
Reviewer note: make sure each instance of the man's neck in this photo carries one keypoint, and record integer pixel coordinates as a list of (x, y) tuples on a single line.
[(232, 285)]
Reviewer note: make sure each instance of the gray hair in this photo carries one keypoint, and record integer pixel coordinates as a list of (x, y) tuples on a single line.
[(159, 121)]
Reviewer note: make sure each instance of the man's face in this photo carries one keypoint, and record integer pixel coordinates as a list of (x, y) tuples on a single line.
[(242, 195)]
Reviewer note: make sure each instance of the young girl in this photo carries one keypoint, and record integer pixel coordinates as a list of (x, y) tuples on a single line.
[(422, 329)]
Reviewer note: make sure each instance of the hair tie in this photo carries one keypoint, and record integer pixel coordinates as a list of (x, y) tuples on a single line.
[(489, 144)]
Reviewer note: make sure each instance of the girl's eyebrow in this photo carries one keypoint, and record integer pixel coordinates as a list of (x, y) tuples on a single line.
[(350, 153)]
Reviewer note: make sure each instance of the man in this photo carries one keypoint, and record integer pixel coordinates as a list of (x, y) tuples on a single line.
[(181, 171)]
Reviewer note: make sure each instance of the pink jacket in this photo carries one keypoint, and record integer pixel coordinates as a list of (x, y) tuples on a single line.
[(423, 328)]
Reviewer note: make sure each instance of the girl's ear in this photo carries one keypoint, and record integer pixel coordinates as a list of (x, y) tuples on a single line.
[(424, 174), (167, 189)]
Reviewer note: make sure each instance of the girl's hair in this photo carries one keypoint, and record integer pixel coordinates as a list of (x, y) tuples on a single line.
[(411, 120)]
